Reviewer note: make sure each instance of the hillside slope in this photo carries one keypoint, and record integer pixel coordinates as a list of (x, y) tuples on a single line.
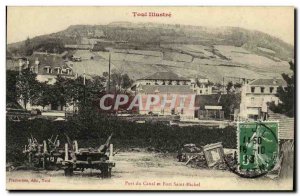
[(144, 48)]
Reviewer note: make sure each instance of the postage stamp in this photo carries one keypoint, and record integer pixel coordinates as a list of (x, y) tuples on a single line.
[(258, 145)]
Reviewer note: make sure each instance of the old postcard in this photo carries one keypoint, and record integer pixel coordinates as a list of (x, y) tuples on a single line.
[(150, 98)]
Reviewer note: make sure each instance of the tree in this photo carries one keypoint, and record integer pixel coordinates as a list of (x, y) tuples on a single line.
[(229, 87), (116, 81), (27, 87), (45, 95), (229, 102), (28, 47), (49, 44), (285, 95), (237, 85), (64, 91), (105, 74), (11, 82), (120, 81), (74, 92), (127, 82), (87, 96)]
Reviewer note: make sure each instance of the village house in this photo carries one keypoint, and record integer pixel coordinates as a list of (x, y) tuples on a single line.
[(167, 85), (201, 86), (164, 78), (255, 97), (47, 66)]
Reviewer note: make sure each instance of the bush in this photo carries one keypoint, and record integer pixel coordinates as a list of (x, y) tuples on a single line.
[(92, 132)]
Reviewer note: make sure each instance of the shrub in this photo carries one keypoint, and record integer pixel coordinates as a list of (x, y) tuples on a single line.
[(92, 132)]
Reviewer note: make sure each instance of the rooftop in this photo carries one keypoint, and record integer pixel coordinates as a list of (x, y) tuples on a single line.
[(268, 82), (167, 75), (49, 60), (164, 89)]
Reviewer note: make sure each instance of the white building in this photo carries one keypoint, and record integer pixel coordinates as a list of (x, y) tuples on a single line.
[(163, 78), (255, 95), (202, 86), (166, 85)]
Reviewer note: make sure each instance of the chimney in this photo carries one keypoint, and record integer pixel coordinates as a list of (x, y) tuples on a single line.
[(37, 63), (274, 81), (21, 63)]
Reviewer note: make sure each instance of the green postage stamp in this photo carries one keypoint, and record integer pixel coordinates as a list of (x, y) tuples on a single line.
[(258, 145)]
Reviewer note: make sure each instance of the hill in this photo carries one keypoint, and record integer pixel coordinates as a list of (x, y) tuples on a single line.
[(144, 48)]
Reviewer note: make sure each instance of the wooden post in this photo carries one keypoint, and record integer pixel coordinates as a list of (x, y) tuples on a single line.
[(45, 146), (109, 73), (111, 152), (76, 146), (30, 144), (29, 159), (66, 152), (44, 162)]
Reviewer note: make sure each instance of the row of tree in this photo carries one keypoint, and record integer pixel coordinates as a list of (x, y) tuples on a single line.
[(42, 44), (25, 86)]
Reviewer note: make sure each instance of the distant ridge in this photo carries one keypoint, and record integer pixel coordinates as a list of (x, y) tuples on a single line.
[(146, 48)]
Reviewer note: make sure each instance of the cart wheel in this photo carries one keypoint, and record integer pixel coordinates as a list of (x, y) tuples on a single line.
[(69, 172)]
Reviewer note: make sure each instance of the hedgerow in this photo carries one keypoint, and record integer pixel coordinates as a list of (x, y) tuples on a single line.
[(93, 131)]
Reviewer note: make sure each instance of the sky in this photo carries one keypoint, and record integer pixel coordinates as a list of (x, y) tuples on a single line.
[(23, 22)]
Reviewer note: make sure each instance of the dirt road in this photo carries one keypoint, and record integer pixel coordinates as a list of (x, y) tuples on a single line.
[(140, 171)]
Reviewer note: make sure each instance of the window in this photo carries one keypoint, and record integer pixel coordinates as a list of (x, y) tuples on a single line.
[(252, 89), (182, 101), (262, 89), (163, 101), (252, 116), (172, 111), (271, 89)]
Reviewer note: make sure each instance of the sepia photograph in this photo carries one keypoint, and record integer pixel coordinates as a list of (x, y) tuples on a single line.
[(150, 98)]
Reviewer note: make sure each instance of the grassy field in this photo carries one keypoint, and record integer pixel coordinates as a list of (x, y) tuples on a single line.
[(186, 60)]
